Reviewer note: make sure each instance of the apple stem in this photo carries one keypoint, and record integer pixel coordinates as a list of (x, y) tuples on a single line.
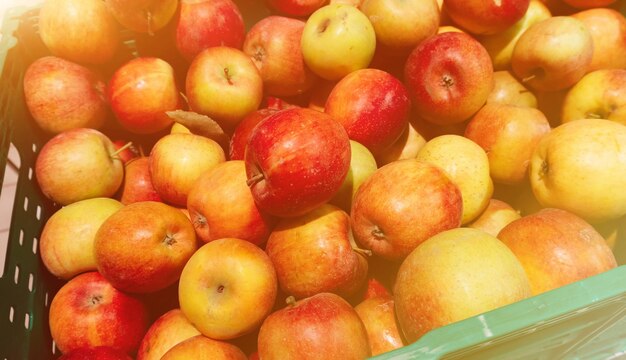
[(290, 300), (254, 179), (117, 152), (364, 252), (528, 78)]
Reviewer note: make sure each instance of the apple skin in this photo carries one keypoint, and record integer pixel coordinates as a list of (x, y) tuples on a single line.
[(125, 150), (599, 170), (287, 173), (378, 315), (68, 163), (557, 248), (224, 188), (586, 4), (485, 16), (140, 92), (227, 288), (391, 216), (362, 165), (496, 216), (144, 246), (167, 330), (88, 311), (406, 147), (324, 322), (241, 135), (67, 239), (295, 8), (201, 347), (508, 90), (62, 95), (143, 16), (207, 23), (372, 105), (608, 30), (82, 31), (445, 87), (454, 275), (95, 353), (137, 184)]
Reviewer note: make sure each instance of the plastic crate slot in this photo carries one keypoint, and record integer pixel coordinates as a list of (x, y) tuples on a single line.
[(38, 212), (34, 147), (27, 321), (25, 204), (35, 245), (31, 281), (21, 238), (11, 313), (16, 274), (54, 347), (46, 299), (30, 173)]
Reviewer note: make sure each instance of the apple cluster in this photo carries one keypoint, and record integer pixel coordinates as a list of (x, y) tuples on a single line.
[(314, 179)]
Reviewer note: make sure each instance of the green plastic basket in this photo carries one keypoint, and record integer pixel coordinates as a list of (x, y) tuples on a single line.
[(584, 320)]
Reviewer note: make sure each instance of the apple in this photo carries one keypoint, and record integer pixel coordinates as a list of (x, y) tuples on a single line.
[(204, 24), (449, 77), (586, 4), (295, 8), (62, 95), (557, 248), (467, 165), (126, 150), (448, 28), (67, 239), (137, 185), (496, 216), (224, 187), (178, 160), (140, 92), (362, 165), (68, 163), (95, 353), (336, 40), (223, 83), (88, 311), (608, 31), (241, 135), (169, 329), (582, 179), (508, 134), (454, 275), (323, 326), (486, 16), (391, 215), (200, 347), (82, 31), (508, 90), (553, 54), (379, 317), (287, 172), (372, 105), (144, 246), (406, 147), (597, 95), (273, 43), (143, 16)]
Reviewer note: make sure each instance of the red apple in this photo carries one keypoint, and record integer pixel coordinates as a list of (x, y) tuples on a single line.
[(288, 172), (62, 95), (95, 353), (201, 347), (486, 16), (241, 135), (137, 184), (126, 151), (143, 16), (165, 332), (379, 317), (296, 8), (88, 311)]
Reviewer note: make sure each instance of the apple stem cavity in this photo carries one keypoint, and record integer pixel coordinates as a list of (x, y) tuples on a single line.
[(290, 300), (254, 179), (378, 233), (95, 300), (447, 81), (117, 152), (220, 289), (323, 26)]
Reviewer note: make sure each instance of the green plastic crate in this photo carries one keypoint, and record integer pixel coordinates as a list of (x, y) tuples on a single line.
[(584, 320)]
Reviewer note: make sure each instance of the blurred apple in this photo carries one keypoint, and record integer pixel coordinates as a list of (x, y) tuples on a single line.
[(496, 216), (95, 353), (362, 165), (200, 347), (485, 16), (508, 90), (137, 184), (406, 147), (143, 16), (167, 330)]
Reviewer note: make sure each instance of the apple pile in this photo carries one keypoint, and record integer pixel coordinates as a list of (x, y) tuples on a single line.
[(305, 179)]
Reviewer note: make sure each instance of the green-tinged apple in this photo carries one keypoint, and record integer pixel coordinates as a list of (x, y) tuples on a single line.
[(144, 246), (62, 95), (137, 185), (508, 90), (88, 311), (143, 16), (362, 165), (337, 39), (553, 54), (454, 275), (178, 160), (221, 205), (600, 94), (68, 164), (448, 28), (406, 147), (287, 173), (608, 31), (496, 216), (467, 165), (580, 166), (315, 253), (95, 353), (83, 31), (201, 347), (273, 43), (449, 76), (557, 248), (508, 134), (295, 8), (227, 288), (391, 215), (67, 239), (485, 16), (379, 317), (323, 327), (167, 330), (239, 139), (223, 83)]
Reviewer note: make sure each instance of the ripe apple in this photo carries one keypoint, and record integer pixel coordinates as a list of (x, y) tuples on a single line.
[(273, 43), (200, 347), (379, 317), (391, 215), (167, 330), (337, 39), (227, 288), (223, 83), (608, 31), (178, 160), (372, 105), (95, 353), (143, 16), (454, 275), (62, 95), (68, 164), (582, 179), (557, 248), (323, 326), (586, 4), (241, 135), (140, 92), (207, 23), (82, 31), (406, 147), (137, 185), (485, 16), (448, 28), (224, 188), (553, 54), (496, 216), (508, 90), (362, 165), (67, 239), (287, 173), (449, 76), (295, 8), (88, 311)]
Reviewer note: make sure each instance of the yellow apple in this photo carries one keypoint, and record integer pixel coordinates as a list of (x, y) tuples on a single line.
[(608, 30), (200, 347), (406, 147), (508, 90), (166, 331), (362, 165), (496, 215)]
